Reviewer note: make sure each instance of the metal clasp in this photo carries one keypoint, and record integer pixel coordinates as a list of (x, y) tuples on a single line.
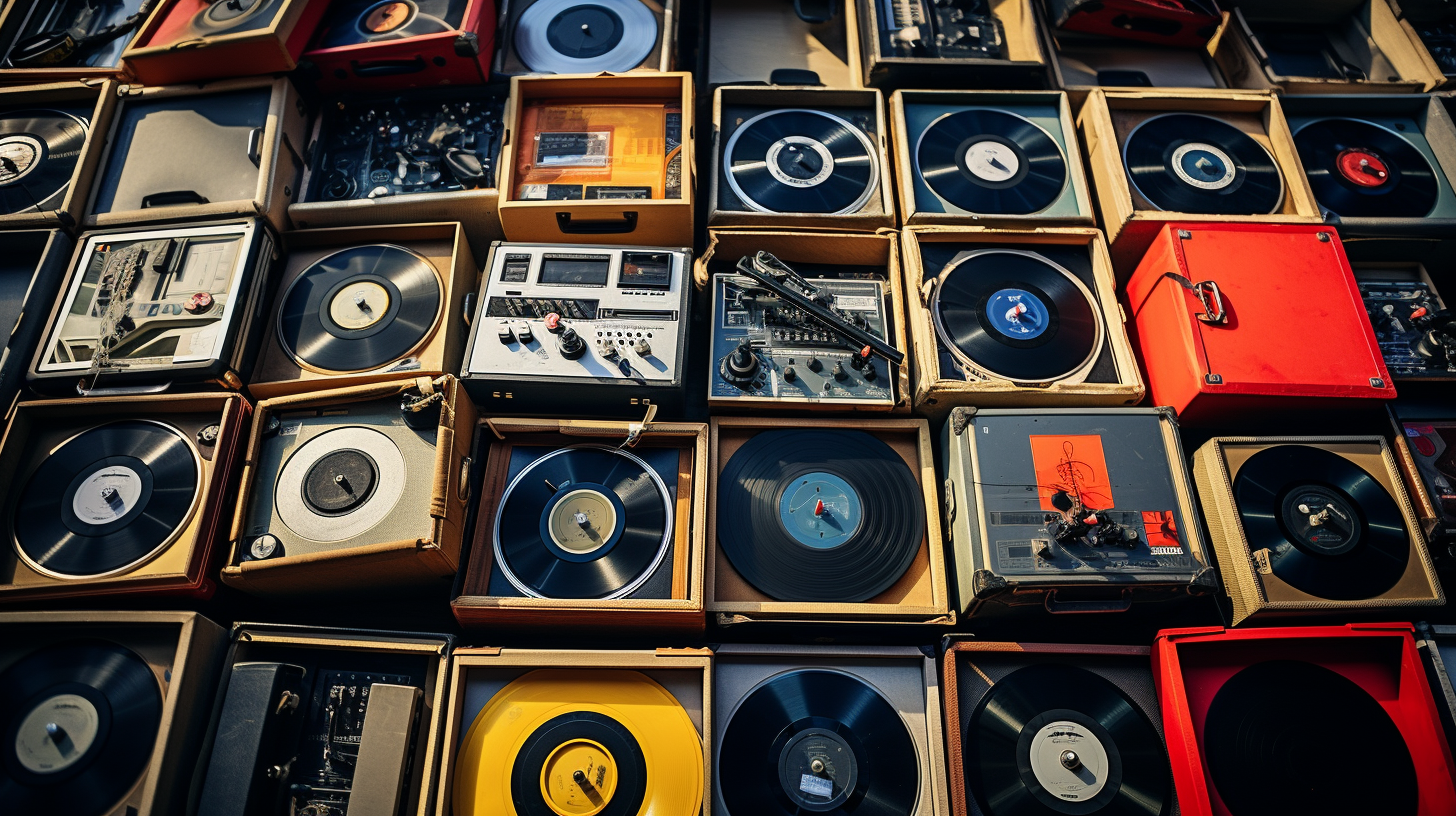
[(1208, 294)]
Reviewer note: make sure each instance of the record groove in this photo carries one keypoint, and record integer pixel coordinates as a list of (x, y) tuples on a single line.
[(39, 150), (1186, 162), (991, 161), (1358, 169), (800, 161)]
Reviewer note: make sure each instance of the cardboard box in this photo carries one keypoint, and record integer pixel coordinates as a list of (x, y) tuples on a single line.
[(233, 148), (278, 373), (320, 648), (743, 42), (474, 604), (1368, 29), (183, 650), (22, 19), (1115, 382), (662, 56), (166, 52), (1130, 222), (458, 55), (1072, 206), (92, 101), (880, 250), (921, 595), (478, 674), (645, 222), (1023, 64), (733, 105), (31, 271), (426, 561), (182, 567)]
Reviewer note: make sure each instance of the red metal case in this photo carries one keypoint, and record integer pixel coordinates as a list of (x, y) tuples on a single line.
[(1265, 316), (460, 56), (1177, 24), (1190, 666)]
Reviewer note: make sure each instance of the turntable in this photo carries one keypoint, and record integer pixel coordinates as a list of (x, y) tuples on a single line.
[(47, 155), (194, 40), (1187, 25), (53, 40), (1230, 696), (99, 709), (393, 44), (949, 44), (579, 37), (116, 495), (1015, 319), (1313, 526), (988, 158), (595, 531), (354, 489), (360, 305)]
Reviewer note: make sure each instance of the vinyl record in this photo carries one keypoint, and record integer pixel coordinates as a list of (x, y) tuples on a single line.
[(1058, 740), (1331, 530), (77, 724), (232, 17), (801, 161), (1187, 162), (1016, 315), (107, 500), (341, 484), (38, 153), (352, 22), (819, 515), (583, 522), (1359, 169), (817, 741), (360, 308), (585, 36), (598, 742), (991, 161), (1273, 729)]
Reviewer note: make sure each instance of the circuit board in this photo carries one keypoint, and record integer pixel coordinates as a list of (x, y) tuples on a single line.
[(323, 772)]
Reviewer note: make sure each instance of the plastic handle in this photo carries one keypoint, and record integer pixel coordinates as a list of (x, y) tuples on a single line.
[(596, 227), (1059, 607), (382, 68), (173, 197), (255, 147)]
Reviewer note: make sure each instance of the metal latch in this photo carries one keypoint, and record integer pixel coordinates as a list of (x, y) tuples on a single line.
[(1208, 294)]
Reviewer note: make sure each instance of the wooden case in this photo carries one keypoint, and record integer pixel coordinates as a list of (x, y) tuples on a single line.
[(270, 49), (1023, 66), (97, 95)]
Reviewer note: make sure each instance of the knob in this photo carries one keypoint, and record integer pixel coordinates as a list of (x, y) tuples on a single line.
[(741, 365), (826, 386), (571, 344), (790, 375), (524, 333), (869, 372), (609, 349), (553, 323), (642, 347), (505, 334), (814, 365), (839, 373)]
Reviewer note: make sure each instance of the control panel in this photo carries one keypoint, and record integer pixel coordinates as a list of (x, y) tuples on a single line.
[(565, 328), (1417, 335), (764, 348)]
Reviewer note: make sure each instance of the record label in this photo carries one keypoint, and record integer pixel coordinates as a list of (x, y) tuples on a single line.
[(57, 733), (800, 161), (991, 161), (1069, 760), (1204, 166), (352, 22), (1186, 162), (107, 495), (1360, 169), (39, 150)]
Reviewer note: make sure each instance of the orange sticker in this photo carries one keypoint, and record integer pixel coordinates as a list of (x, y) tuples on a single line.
[(1162, 532), (1073, 465), (387, 17)]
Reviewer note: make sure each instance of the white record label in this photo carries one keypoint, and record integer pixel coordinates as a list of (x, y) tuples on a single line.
[(992, 161), (56, 734), (107, 495), (1069, 761)]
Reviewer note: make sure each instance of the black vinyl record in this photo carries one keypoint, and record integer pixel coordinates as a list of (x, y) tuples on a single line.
[(990, 161), (1358, 169), (360, 308), (1358, 549), (107, 499), (1031, 717), (800, 161), (38, 153), (108, 707), (576, 727), (1273, 733), (819, 515), (1186, 162), (1016, 315), (621, 534), (352, 22), (232, 17), (869, 765)]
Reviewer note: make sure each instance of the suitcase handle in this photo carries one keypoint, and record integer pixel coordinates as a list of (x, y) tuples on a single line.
[(172, 197), (1208, 294), (596, 227), (381, 68), (1057, 607)]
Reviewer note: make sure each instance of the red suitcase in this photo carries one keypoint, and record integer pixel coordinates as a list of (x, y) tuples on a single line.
[(1233, 319), (458, 53)]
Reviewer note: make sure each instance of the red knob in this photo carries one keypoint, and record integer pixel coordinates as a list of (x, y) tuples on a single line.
[(199, 303), (553, 322), (819, 508)]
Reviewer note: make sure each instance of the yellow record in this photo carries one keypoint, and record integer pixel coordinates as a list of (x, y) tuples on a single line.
[(559, 742)]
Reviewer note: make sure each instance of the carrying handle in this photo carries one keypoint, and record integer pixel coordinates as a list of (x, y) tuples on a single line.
[(1208, 294), (173, 197), (384, 68), (1084, 607), (255, 147), (565, 223)]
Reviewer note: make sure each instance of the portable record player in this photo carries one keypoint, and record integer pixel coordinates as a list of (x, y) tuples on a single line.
[(565, 731), (1083, 62), (586, 36), (1229, 697), (313, 720), (1188, 24), (1312, 525), (194, 40), (794, 361), (800, 157), (1221, 319), (1335, 46), (1404, 285), (746, 42), (1015, 318), (44, 41), (950, 44), (100, 709), (1379, 165), (395, 44), (824, 521), (1054, 727), (988, 158), (47, 156), (803, 729), (362, 488), (615, 542), (116, 494), (599, 159), (1428, 25), (192, 152), (366, 304), (1161, 156), (31, 270)]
